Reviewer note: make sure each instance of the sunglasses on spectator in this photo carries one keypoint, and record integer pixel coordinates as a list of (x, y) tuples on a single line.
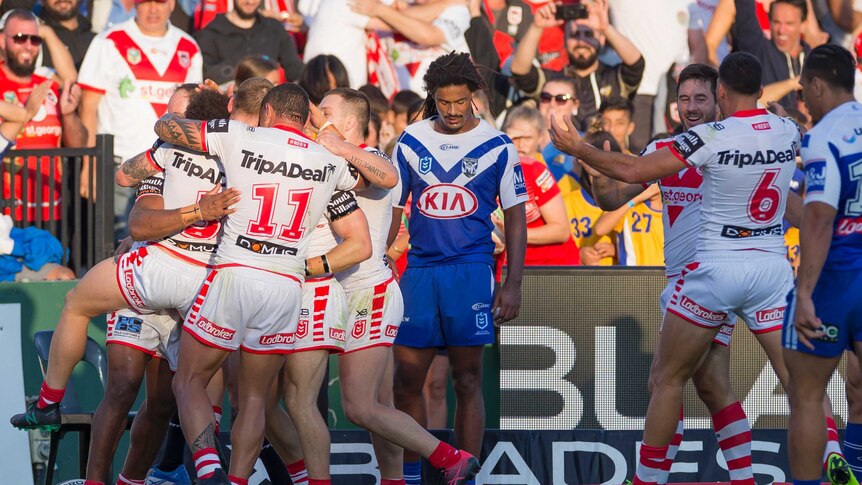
[(21, 39), (585, 34), (559, 98)]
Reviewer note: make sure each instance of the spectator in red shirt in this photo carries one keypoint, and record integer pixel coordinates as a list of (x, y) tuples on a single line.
[(549, 242), (56, 123)]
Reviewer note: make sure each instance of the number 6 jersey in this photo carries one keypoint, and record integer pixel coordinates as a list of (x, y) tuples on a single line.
[(286, 181), (747, 161)]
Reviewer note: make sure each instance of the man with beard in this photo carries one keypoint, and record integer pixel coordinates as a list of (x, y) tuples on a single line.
[(70, 26), (55, 124), (241, 32), (594, 80)]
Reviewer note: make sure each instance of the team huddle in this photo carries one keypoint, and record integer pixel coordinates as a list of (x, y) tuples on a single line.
[(261, 251)]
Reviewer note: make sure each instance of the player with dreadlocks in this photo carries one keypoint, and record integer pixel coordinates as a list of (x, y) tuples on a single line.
[(456, 166)]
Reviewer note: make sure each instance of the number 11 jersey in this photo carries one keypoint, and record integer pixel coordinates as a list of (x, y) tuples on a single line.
[(286, 181)]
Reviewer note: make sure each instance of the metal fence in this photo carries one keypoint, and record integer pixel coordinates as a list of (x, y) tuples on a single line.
[(42, 188)]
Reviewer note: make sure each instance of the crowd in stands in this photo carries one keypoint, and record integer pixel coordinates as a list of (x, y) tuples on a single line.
[(612, 69)]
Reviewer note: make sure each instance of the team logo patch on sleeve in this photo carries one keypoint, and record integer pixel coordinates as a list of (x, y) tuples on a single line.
[(815, 176), (687, 144), (217, 126), (520, 185)]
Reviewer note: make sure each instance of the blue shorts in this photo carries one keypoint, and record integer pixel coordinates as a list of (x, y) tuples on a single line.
[(447, 305), (837, 303)]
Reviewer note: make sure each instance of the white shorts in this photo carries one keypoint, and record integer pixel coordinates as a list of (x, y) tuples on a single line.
[(322, 317), (375, 315), (724, 333), (751, 284), (151, 279), (239, 306), (150, 334)]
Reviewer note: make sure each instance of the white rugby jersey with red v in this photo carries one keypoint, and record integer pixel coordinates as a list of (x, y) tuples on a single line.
[(286, 181), (747, 161), (188, 176), (455, 181), (681, 200), (167, 273)]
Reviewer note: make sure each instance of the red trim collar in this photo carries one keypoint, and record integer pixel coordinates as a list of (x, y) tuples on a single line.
[(748, 113), (291, 129)]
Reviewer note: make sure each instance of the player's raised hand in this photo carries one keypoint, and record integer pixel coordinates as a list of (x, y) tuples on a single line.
[(565, 136), (216, 203), (315, 116), (808, 326)]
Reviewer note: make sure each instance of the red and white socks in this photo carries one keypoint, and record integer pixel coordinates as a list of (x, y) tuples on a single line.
[(672, 449), (392, 481), (206, 462), (237, 481), (733, 433), (832, 445), (444, 456), (298, 473), (217, 417), (651, 463), (121, 480), (48, 396)]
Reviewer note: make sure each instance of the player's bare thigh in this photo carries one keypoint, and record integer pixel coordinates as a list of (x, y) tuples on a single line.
[(97, 292), (681, 347)]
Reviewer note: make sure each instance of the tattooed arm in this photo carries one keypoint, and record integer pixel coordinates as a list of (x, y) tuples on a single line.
[(180, 131), (135, 169), (375, 169)]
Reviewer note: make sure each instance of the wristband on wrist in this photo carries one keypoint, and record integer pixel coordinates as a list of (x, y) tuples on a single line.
[(325, 263), (630, 204)]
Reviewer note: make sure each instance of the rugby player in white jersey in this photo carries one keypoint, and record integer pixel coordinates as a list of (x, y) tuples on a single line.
[(747, 161), (151, 278), (825, 311), (682, 201), (251, 299), (133, 340)]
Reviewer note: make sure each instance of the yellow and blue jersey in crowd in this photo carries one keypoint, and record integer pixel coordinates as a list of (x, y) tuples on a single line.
[(640, 239)]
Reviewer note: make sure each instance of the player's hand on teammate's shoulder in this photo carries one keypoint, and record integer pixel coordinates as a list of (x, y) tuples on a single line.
[(218, 203), (808, 326)]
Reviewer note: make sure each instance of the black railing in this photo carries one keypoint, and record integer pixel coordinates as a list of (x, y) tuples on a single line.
[(42, 188)]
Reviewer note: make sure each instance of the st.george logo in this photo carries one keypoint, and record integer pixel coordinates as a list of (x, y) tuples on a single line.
[(469, 166), (425, 165)]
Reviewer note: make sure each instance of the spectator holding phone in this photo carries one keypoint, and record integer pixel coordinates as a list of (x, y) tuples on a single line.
[(584, 39)]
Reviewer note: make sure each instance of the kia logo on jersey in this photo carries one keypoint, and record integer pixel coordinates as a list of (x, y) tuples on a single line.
[(447, 201)]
